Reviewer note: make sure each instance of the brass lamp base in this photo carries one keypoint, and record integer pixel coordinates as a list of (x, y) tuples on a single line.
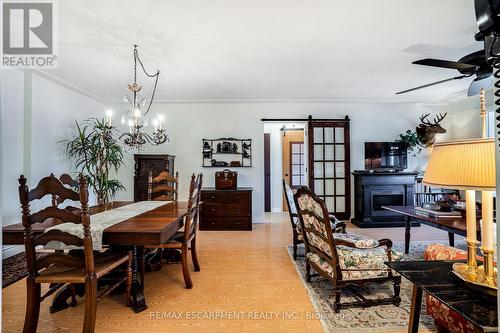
[(475, 278)]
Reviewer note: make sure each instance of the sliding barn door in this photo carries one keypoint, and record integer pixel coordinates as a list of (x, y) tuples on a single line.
[(329, 164)]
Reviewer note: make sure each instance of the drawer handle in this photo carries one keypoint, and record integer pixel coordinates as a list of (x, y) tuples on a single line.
[(213, 209), (212, 223), (212, 197), (237, 197), (238, 222)]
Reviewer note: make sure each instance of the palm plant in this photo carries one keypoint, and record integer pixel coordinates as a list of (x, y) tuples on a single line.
[(96, 153)]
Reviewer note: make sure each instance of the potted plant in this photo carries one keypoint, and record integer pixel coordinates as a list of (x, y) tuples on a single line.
[(96, 153), (412, 141)]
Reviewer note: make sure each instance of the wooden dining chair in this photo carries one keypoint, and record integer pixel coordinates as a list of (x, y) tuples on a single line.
[(185, 239), (163, 187), (59, 269)]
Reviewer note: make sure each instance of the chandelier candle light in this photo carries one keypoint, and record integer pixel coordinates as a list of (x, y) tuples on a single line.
[(136, 118)]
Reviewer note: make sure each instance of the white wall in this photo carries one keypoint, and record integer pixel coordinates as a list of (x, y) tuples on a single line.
[(37, 113), (463, 120), (188, 123)]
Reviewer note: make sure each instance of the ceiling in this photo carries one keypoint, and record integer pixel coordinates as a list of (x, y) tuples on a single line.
[(265, 50)]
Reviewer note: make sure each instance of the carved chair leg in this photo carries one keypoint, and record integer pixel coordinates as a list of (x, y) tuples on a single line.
[(129, 280), (72, 288), (32, 306), (185, 269), (308, 271), (90, 304), (194, 255), (397, 289), (336, 303), (294, 249)]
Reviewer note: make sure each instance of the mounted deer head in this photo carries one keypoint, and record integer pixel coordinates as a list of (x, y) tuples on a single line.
[(427, 130)]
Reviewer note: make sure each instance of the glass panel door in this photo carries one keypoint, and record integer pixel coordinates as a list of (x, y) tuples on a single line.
[(329, 165)]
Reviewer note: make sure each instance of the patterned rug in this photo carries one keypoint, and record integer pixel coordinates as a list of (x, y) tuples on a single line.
[(383, 318), (14, 268)]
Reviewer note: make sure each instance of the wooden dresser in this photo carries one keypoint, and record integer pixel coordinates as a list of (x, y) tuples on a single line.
[(144, 164), (226, 209)]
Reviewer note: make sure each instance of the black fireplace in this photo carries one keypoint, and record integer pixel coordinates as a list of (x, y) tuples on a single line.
[(372, 190)]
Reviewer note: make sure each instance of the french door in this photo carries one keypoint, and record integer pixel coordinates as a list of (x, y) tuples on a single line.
[(329, 164)]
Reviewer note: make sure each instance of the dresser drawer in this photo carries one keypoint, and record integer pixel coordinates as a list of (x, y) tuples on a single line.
[(225, 223), (212, 197), (233, 209)]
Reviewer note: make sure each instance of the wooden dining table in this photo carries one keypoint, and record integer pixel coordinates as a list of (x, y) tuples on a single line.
[(150, 228)]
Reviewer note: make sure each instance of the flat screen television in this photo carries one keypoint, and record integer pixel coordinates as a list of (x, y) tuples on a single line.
[(386, 155)]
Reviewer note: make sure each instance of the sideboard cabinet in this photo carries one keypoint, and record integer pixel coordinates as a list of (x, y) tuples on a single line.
[(226, 209), (146, 163)]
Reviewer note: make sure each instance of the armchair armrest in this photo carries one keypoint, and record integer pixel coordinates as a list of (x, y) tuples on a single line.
[(337, 225)]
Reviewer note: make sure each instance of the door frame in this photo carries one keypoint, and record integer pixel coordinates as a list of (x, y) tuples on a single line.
[(345, 124)]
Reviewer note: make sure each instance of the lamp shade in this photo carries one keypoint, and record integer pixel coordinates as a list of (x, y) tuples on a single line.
[(462, 165)]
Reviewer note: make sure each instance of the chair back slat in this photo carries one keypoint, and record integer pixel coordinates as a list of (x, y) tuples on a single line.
[(66, 180), (316, 226), (52, 185), (167, 188), (192, 215), (59, 193), (61, 236), (59, 258), (163, 188), (52, 212)]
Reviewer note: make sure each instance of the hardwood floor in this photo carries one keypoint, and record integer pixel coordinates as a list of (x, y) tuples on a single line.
[(247, 274)]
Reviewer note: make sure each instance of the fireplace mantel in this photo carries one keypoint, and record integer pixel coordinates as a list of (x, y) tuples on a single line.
[(375, 189)]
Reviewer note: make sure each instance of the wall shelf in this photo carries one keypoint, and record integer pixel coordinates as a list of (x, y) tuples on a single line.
[(241, 149)]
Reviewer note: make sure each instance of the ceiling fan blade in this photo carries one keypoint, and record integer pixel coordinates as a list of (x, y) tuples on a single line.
[(478, 84), (432, 84), (445, 64)]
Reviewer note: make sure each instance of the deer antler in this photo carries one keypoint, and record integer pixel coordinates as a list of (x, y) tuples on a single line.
[(438, 118), (424, 120)]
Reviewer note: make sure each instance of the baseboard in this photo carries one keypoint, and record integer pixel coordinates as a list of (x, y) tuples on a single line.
[(258, 220), (276, 210), (11, 250)]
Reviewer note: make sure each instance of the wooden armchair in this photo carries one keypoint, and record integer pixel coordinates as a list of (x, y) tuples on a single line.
[(185, 239), (297, 238), (59, 268), (344, 259), (163, 187)]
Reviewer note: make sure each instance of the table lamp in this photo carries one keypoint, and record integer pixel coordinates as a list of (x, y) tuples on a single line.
[(469, 165)]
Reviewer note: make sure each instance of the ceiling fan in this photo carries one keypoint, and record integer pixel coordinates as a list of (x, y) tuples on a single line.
[(472, 64)]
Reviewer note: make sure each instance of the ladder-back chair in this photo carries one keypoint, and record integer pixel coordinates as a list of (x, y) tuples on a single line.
[(163, 187), (59, 268)]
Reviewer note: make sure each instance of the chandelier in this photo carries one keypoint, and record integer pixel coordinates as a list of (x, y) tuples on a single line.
[(137, 115)]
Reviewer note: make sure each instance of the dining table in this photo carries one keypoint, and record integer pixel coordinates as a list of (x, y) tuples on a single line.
[(151, 228)]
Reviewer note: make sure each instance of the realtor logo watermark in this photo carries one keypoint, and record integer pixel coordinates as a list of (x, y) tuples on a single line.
[(28, 34)]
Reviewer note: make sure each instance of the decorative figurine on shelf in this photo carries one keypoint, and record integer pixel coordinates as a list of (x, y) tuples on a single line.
[(216, 163), (219, 148), (245, 154), (207, 150), (226, 146), (246, 145), (235, 148), (235, 163)]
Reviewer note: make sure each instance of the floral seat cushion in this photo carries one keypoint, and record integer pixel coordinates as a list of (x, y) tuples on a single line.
[(357, 263), (359, 242)]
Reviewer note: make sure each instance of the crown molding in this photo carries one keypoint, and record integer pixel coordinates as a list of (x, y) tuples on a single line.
[(66, 84), (286, 100)]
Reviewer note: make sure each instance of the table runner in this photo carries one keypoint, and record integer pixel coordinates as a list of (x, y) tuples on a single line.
[(101, 221)]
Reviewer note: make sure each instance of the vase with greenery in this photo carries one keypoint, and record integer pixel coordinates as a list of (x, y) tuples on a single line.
[(95, 154), (410, 138)]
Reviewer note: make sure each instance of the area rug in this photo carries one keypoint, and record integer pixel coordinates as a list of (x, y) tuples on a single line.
[(383, 318), (14, 268)]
